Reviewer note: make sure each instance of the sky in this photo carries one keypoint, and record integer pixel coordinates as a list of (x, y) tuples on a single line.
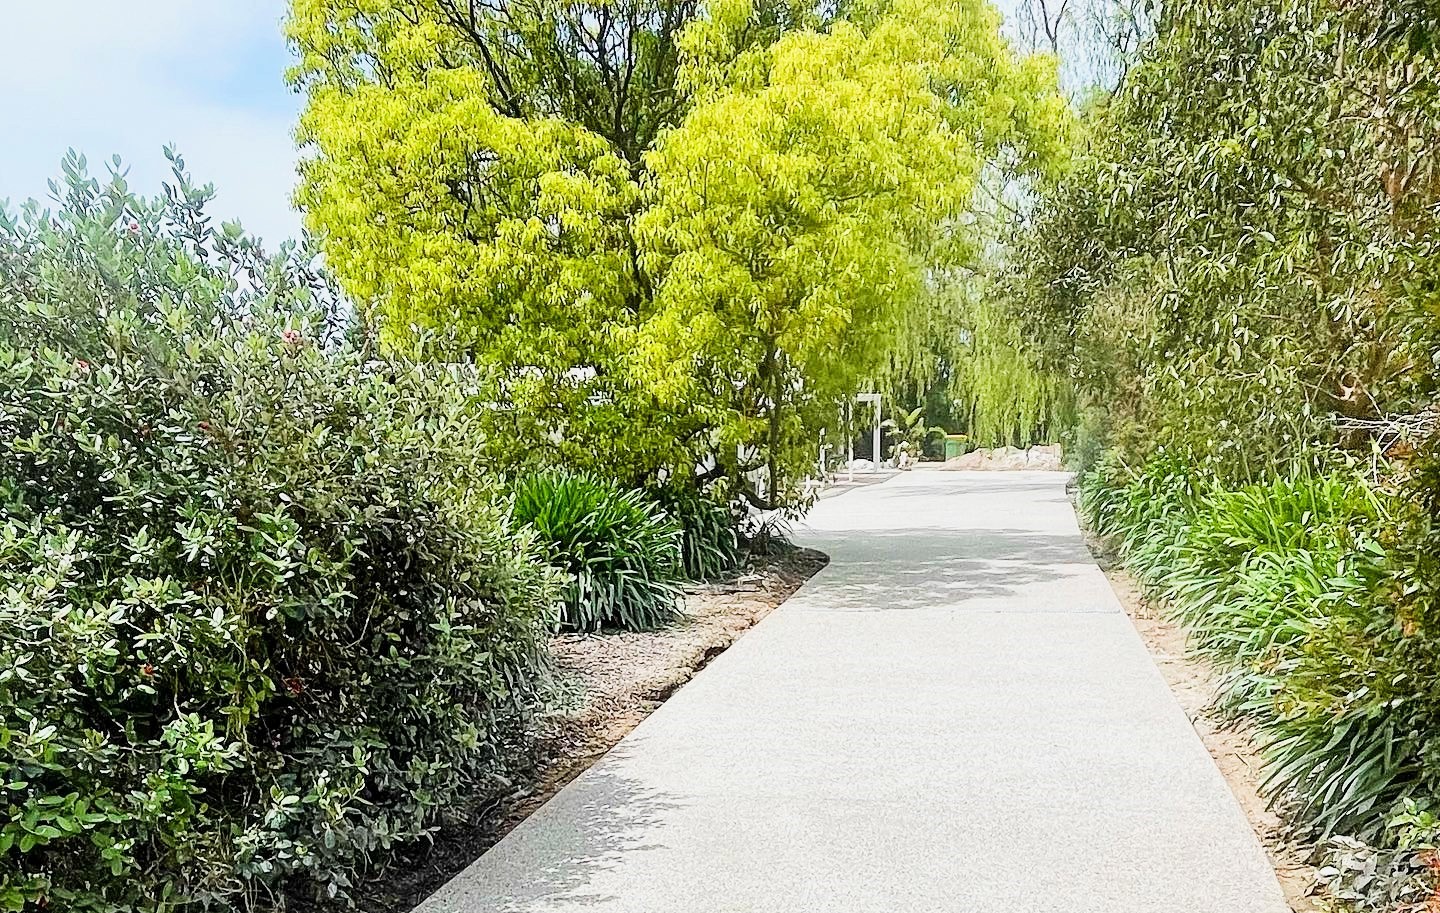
[(129, 77)]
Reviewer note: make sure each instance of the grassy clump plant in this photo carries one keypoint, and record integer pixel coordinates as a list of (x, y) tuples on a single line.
[(1286, 587), (620, 550), (709, 542)]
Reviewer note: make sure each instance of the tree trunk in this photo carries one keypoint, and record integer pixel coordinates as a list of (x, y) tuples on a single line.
[(772, 370)]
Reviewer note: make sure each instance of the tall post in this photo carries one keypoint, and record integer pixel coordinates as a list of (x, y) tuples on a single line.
[(849, 441), (873, 398), (875, 447)]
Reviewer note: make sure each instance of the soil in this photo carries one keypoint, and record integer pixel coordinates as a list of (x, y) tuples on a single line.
[(1231, 743), (607, 683)]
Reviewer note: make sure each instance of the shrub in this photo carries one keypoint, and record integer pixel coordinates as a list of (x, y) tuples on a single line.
[(766, 533), (261, 621), (1286, 587), (620, 550), (709, 543)]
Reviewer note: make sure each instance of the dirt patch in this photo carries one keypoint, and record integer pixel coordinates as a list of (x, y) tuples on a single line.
[(607, 684), (1232, 744)]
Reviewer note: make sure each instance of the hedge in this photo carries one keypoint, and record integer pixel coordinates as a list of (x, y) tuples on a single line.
[(264, 616)]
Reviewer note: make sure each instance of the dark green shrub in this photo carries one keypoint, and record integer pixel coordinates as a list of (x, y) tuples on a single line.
[(620, 550), (262, 621), (709, 543)]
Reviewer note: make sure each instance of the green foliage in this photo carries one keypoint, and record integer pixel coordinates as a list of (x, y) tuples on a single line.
[(709, 544), (1285, 586), (263, 620), (766, 534), (798, 212), (911, 430), (473, 183), (622, 552), (1244, 256), (1369, 879), (672, 234), (1086, 438), (999, 384)]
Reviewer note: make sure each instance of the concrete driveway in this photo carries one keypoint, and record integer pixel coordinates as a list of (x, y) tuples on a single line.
[(955, 715)]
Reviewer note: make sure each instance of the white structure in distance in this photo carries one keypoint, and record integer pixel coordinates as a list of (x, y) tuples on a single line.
[(875, 436)]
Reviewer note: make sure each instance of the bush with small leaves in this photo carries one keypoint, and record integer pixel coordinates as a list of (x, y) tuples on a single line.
[(264, 618)]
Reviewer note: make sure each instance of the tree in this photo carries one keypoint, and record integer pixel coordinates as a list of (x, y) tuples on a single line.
[(476, 168), (1239, 265), (476, 171), (800, 207), (667, 236), (1096, 40)]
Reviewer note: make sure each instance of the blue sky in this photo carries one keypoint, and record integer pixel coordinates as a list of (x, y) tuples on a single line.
[(128, 77)]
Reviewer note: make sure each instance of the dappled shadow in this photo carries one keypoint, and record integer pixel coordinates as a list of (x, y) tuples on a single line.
[(973, 542), (985, 570), (897, 547), (550, 862)]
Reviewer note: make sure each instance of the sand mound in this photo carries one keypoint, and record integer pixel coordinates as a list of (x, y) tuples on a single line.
[(1045, 457)]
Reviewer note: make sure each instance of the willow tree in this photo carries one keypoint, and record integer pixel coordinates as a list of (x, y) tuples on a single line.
[(799, 208), (1000, 385)]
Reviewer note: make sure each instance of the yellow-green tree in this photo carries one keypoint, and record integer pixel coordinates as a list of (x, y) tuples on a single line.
[(474, 174), (809, 197), (668, 232)]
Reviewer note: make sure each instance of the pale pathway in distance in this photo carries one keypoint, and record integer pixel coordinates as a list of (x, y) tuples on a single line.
[(955, 715)]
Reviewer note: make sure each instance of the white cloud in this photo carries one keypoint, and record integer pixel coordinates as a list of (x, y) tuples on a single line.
[(129, 78)]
